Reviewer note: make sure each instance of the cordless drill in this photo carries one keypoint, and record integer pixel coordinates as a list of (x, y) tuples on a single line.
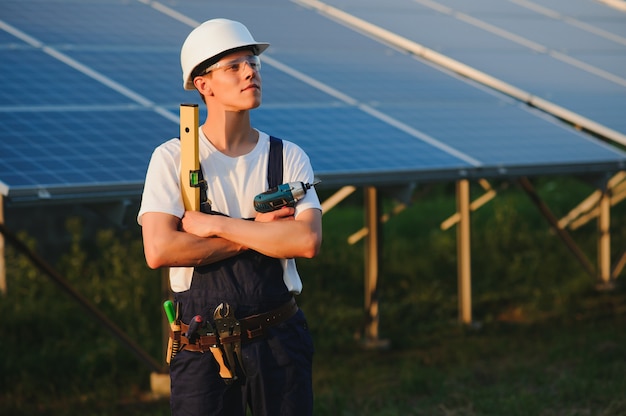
[(286, 194)]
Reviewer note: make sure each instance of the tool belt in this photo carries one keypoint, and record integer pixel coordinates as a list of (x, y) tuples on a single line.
[(225, 340), (252, 327)]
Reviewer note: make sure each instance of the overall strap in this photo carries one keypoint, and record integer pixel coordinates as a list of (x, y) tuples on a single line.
[(275, 165)]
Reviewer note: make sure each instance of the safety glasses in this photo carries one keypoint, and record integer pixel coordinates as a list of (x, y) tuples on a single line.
[(236, 65)]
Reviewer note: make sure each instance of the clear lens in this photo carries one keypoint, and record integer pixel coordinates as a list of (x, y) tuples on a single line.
[(236, 65)]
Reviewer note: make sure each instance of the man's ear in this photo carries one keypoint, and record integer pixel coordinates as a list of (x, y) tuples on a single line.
[(202, 85)]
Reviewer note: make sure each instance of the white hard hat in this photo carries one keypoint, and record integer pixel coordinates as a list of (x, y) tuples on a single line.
[(212, 39)]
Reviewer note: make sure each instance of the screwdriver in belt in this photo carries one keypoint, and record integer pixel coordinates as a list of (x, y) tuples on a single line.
[(172, 345)]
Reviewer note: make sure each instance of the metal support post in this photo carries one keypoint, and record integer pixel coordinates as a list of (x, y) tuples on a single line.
[(372, 248), (604, 238), (372, 268), (464, 252)]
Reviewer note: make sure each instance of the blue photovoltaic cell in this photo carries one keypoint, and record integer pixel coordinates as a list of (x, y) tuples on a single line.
[(104, 23), (344, 139), (88, 148), (575, 46), (364, 112), (153, 74), (31, 77), (493, 143), (284, 91)]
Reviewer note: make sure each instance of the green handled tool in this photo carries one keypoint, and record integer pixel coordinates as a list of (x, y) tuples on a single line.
[(173, 344), (168, 305)]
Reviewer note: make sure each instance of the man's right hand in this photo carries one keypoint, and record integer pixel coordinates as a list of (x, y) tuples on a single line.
[(284, 213)]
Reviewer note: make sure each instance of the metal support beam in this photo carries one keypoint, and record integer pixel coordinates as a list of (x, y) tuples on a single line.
[(554, 223), (489, 194), (464, 252), (45, 268), (336, 198), (619, 266), (589, 208), (354, 238), (371, 337)]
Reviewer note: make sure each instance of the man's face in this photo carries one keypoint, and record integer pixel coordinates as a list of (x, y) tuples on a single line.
[(235, 82)]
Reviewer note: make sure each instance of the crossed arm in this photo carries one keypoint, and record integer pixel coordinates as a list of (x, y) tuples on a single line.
[(200, 238)]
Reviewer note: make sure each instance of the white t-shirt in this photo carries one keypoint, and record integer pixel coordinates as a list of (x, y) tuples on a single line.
[(233, 182)]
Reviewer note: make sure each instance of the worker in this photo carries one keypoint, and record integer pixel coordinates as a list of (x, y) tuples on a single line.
[(229, 254)]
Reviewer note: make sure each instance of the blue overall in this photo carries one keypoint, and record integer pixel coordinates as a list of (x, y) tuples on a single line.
[(276, 378)]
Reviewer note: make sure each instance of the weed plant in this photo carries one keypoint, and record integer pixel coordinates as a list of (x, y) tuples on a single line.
[(544, 341)]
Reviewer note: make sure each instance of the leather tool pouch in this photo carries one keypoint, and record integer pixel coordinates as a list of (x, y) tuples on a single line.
[(228, 331), (224, 342)]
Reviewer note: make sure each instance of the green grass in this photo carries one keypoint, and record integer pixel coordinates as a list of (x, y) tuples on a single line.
[(565, 366), (544, 340)]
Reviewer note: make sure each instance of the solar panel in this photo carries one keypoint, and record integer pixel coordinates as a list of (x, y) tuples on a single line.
[(88, 89), (572, 53)]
